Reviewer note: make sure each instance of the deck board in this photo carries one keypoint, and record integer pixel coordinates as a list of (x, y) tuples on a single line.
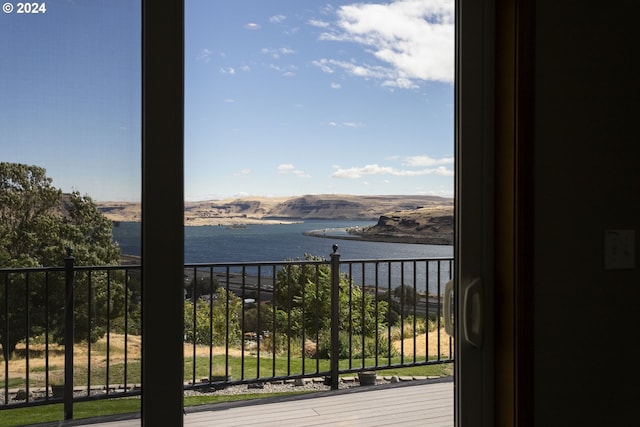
[(422, 404)]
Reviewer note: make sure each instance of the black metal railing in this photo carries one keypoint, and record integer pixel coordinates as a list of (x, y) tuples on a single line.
[(78, 327)]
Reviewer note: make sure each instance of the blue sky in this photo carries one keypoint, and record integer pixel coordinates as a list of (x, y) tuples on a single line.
[(282, 97), (70, 94)]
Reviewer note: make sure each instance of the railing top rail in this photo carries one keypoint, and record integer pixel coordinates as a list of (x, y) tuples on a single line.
[(14, 270), (107, 267), (257, 263), (397, 259), (313, 262)]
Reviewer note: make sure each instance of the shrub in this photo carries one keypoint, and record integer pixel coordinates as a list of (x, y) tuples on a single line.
[(214, 319)]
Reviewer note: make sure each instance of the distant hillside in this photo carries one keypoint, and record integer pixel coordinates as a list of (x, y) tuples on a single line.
[(284, 209), (407, 219), (350, 207)]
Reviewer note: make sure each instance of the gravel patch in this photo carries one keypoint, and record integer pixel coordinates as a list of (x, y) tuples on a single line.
[(306, 385), (300, 385)]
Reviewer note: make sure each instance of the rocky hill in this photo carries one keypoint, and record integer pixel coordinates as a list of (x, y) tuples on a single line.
[(429, 225)]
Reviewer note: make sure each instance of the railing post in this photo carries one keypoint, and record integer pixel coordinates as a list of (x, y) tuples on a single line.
[(68, 334), (335, 316)]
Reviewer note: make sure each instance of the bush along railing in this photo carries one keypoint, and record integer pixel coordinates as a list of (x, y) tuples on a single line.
[(78, 327)]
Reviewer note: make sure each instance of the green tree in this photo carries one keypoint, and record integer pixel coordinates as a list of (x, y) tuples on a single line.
[(37, 224), (303, 297), (258, 319), (291, 280), (214, 320), (28, 219)]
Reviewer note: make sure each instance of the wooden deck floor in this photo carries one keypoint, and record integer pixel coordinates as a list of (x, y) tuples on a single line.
[(419, 404)]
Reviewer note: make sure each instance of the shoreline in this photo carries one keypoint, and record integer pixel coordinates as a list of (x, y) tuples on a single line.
[(412, 240), (214, 222)]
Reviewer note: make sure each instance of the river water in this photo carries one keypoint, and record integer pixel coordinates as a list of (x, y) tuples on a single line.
[(279, 242)]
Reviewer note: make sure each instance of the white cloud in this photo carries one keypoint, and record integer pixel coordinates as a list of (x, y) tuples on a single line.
[(413, 38), (327, 9), (387, 76), (427, 161), (289, 169), (204, 55), (276, 53), (358, 172), (324, 65), (318, 23), (354, 125), (335, 85), (244, 173), (277, 19), (288, 71), (228, 70), (375, 169), (252, 26)]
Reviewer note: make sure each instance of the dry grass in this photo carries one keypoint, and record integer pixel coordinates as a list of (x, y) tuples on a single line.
[(203, 351), (421, 344), (37, 352)]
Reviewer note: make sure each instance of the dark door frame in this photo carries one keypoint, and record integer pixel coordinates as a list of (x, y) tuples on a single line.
[(514, 204), (162, 211)]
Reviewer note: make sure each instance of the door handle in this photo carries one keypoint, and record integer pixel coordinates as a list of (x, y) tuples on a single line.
[(448, 317), (472, 326), (472, 313)]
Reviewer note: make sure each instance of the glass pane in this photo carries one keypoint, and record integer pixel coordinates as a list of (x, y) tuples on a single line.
[(324, 118), (70, 153)]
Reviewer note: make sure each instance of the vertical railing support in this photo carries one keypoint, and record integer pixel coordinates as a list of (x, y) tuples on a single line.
[(335, 316), (68, 334)]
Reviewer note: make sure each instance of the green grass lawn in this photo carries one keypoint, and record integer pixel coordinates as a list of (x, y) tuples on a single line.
[(295, 366), (98, 408), (237, 369)]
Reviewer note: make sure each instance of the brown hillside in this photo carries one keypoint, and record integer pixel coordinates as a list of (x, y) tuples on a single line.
[(284, 209)]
